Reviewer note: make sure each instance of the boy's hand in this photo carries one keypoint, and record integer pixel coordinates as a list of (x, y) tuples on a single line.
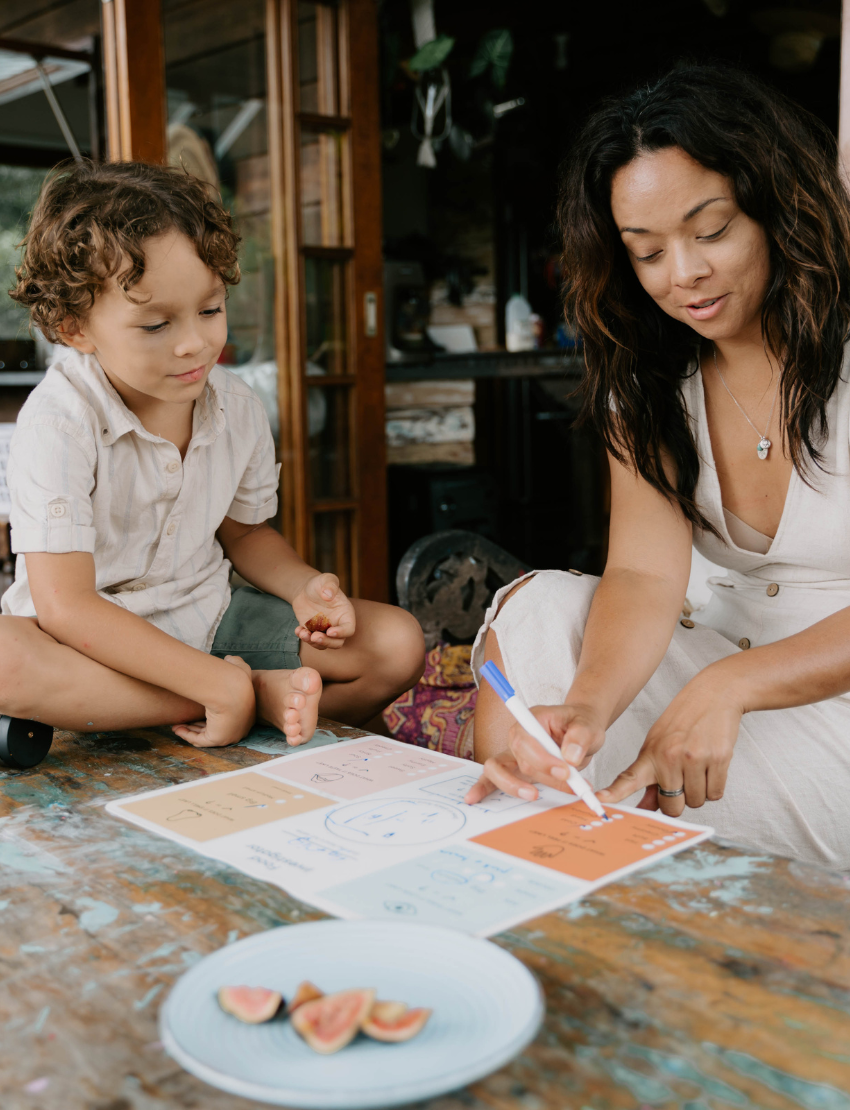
[(321, 594), (230, 718)]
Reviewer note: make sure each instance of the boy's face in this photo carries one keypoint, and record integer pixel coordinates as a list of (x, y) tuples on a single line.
[(163, 343)]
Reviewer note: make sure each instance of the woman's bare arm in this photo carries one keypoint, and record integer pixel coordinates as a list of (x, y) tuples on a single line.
[(639, 598)]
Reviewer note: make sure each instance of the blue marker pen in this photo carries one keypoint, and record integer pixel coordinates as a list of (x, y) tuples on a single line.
[(529, 722)]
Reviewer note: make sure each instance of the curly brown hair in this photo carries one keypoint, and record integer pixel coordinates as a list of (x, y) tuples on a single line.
[(90, 224), (783, 167)]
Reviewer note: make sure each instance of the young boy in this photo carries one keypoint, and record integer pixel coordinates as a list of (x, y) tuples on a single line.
[(140, 472)]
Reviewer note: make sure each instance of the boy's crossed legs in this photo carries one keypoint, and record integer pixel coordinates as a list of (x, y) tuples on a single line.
[(42, 679)]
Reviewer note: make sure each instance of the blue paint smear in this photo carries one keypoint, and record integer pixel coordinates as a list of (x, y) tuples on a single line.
[(147, 907), (684, 1069), (29, 949), (811, 1096), (643, 1087), (162, 951), (232, 936), (38, 1024), (12, 856), (97, 915), (700, 866), (149, 997)]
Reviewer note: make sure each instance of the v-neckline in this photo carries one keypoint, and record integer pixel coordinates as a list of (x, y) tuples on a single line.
[(714, 480)]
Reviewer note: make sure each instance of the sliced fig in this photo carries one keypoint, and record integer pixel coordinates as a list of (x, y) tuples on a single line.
[(329, 1023), (307, 992), (319, 623), (394, 1021), (250, 1004)]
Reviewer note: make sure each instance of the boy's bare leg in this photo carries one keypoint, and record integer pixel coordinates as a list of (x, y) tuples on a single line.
[(41, 679), (384, 657)]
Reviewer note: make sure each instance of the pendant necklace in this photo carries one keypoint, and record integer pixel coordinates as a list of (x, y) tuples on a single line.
[(764, 443)]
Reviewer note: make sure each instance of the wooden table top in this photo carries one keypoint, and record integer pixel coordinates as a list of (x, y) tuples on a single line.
[(718, 979)]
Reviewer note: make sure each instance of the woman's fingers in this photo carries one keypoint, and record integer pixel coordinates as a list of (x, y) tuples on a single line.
[(716, 781), (638, 776), (480, 791)]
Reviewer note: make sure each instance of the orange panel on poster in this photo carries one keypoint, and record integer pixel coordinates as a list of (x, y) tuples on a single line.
[(575, 841)]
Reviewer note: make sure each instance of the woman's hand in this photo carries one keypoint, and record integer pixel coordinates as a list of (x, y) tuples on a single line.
[(690, 745), (321, 594), (577, 731)]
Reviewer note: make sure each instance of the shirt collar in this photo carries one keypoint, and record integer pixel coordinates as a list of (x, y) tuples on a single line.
[(116, 419)]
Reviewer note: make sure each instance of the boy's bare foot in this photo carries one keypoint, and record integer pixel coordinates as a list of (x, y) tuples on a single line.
[(289, 700)]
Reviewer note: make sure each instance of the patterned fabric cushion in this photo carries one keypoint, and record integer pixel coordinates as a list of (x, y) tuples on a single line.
[(437, 712)]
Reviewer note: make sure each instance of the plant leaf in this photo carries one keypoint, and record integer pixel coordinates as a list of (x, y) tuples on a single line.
[(494, 53), (432, 54)]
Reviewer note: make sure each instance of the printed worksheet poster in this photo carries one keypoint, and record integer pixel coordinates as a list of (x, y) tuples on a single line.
[(375, 828)]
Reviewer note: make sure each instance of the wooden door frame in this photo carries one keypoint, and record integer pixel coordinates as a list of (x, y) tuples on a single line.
[(359, 72), (134, 79)]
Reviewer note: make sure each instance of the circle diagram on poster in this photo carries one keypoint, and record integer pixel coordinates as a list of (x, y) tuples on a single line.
[(395, 821)]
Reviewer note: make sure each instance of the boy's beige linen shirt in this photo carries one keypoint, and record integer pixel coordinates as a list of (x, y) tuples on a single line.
[(84, 475)]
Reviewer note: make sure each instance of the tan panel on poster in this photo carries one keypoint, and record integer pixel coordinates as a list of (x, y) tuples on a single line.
[(206, 810)]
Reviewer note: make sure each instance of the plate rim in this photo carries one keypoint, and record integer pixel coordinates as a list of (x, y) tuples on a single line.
[(373, 1100)]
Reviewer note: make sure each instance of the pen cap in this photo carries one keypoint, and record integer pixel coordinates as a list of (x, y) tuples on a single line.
[(497, 680)]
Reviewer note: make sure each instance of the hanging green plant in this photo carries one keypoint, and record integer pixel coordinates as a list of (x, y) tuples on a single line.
[(431, 55), (494, 53)]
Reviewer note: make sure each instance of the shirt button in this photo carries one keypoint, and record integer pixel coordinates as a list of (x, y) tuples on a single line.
[(743, 643), (58, 510), (772, 590), (685, 623), (171, 529), (173, 467), (577, 573)]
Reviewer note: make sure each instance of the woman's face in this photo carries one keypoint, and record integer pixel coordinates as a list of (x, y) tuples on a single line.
[(700, 258)]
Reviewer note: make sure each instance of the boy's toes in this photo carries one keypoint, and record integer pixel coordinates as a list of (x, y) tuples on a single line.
[(302, 705), (307, 680)]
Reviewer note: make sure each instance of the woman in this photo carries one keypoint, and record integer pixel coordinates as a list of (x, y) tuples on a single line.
[(707, 252)]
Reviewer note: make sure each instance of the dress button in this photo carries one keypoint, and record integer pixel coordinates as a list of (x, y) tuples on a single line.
[(577, 573), (743, 643), (173, 467), (685, 623), (58, 510), (772, 590), (171, 529)]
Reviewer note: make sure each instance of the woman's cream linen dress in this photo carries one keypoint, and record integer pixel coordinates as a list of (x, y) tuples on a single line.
[(788, 789)]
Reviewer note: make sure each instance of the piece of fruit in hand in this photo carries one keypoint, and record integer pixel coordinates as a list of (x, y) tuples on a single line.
[(319, 623), (330, 1023), (394, 1021), (250, 1004)]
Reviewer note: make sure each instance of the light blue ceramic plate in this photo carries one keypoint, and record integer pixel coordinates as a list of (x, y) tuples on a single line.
[(487, 1008)]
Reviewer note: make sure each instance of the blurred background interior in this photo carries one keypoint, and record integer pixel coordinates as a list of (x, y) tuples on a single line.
[(410, 350)]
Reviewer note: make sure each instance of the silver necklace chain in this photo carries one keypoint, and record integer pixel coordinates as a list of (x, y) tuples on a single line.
[(764, 444)]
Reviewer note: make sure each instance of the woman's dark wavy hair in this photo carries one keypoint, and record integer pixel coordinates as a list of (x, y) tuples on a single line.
[(783, 167)]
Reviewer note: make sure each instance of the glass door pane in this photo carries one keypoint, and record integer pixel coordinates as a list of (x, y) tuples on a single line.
[(215, 54)]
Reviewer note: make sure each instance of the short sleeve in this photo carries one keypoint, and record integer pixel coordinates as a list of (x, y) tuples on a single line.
[(51, 479), (256, 498)]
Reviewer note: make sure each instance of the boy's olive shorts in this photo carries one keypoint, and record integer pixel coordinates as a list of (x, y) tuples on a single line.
[(261, 629)]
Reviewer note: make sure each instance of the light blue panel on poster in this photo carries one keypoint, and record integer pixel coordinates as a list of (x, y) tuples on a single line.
[(458, 886)]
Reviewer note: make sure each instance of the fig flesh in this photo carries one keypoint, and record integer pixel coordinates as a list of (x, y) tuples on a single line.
[(394, 1022), (250, 1004), (307, 992), (319, 623), (329, 1023)]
